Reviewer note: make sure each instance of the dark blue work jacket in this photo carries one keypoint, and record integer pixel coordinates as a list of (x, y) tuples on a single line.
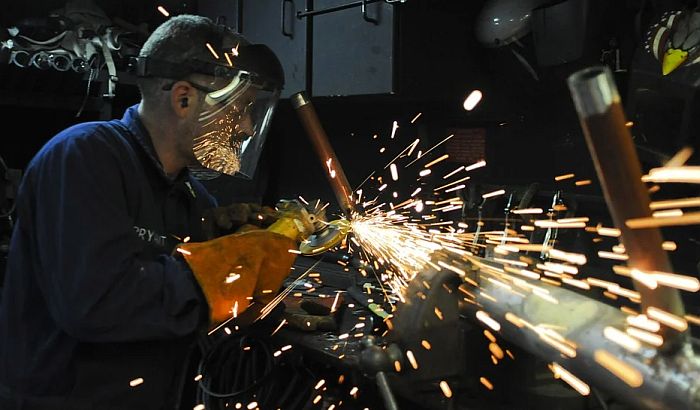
[(93, 301)]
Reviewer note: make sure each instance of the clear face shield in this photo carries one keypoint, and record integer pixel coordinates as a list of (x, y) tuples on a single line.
[(242, 87), (233, 124)]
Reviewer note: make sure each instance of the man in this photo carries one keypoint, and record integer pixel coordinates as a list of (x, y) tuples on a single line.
[(96, 311)]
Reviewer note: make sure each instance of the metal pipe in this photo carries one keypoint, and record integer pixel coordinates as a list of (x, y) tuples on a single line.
[(319, 139), (617, 165), (646, 379)]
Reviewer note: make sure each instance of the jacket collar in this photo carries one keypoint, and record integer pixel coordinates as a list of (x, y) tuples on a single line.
[(133, 122)]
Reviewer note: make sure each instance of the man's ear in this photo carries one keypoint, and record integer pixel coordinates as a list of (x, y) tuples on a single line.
[(182, 98)]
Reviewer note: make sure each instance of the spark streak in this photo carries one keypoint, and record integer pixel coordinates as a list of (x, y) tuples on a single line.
[(213, 52), (493, 194), (573, 381), (619, 368)]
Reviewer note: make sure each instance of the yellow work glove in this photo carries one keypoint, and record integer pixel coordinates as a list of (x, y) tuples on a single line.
[(237, 269)]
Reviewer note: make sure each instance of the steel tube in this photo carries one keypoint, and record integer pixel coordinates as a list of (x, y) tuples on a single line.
[(617, 166), (658, 381), (329, 161)]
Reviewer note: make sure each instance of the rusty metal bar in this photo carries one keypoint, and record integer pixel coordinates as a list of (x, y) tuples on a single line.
[(617, 165), (329, 161)]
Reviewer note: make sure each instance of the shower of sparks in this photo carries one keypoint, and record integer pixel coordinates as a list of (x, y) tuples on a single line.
[(397, 237), (419, 156), (416, 117)]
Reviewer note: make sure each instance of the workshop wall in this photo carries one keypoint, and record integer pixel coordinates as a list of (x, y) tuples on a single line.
[(530, 129)]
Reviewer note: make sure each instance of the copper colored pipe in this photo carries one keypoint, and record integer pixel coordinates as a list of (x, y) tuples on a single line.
[(617, 165), (319, 139)]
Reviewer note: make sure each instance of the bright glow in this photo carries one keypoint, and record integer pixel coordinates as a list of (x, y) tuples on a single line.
[(563, 177), (486, 383), (667, 318), (475, 165), (136, 382), (621, 338), (213, 52), (689, 174), (494, 193), (528, 211), (472, 100), (435, 161), (646, 337), (412, 359), (394, 172), (643, 322), (445, 389), (394, 127), (163, 11), (486, 319)]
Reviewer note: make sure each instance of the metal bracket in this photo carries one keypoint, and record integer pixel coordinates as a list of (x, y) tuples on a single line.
[(365, 16), (361, 3), (283, 19)]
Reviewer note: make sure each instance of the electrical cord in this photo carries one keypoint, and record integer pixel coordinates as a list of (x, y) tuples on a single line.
[(241, 368)]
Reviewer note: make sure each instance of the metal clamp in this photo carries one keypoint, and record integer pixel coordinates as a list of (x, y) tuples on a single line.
[(283, 18), (361, 3)]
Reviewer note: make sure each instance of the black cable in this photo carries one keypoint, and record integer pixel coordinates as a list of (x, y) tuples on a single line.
[(212, 369), (231, 375)]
